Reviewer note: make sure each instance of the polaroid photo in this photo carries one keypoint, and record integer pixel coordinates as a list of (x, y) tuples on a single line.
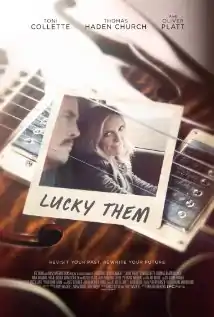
[(105, 162)]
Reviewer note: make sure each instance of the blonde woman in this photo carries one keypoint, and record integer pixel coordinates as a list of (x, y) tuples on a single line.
[(103, 155)]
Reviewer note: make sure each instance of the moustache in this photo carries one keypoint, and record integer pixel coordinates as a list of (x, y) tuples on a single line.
[(67, 141)]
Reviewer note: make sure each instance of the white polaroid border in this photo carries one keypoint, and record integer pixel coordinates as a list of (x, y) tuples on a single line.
[(143, 211)]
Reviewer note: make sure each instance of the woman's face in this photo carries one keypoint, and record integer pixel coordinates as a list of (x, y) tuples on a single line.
[(112, 141)]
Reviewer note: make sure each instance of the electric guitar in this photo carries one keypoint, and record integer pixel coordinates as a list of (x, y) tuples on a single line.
[(23, 249)]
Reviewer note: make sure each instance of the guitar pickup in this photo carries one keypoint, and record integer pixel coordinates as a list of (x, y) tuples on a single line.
[(191, 185)]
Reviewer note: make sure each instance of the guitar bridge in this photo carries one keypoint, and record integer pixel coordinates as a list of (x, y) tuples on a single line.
[(191, 185)]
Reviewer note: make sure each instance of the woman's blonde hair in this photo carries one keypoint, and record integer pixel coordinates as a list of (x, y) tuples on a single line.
[(91, 132)]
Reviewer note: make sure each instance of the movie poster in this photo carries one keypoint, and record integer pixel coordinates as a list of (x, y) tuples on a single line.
[(106, 158)]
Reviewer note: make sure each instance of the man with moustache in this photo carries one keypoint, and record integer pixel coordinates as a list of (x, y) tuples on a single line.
[(61, 144)]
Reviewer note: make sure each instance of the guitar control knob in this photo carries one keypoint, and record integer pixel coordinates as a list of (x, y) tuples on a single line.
[(190, 203), (182, 214), (211, 173), (197, 192), (205, 182)]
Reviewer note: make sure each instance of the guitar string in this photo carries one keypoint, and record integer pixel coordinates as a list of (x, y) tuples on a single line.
[(178, 202), (94, 101), (176, 151), (189, 200), (102, 105), (189, 197), (158, 131), (34, 124), (146, 190), (147, 126), (189, 121), (192, 170), (18, 105), (165, 134), (175, 176), (183, 119), (176, 163), (21, 138), (186, 180), (171, 188), (171, 175)]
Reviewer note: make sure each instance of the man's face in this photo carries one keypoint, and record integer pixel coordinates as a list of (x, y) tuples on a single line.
[(64, 133)]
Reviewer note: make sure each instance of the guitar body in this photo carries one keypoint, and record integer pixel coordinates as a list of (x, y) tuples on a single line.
[(88, 241)]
